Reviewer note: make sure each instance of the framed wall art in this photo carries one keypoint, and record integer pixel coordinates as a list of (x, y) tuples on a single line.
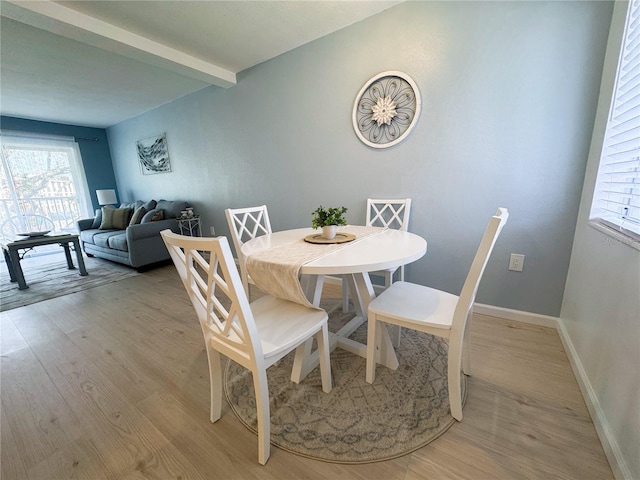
[(154, 155), (386, 109)]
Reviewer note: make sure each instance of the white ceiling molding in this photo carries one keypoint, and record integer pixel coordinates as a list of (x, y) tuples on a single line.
[(58, 19)]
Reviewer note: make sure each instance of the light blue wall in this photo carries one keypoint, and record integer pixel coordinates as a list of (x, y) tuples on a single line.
[(96, 156), (509, 94)]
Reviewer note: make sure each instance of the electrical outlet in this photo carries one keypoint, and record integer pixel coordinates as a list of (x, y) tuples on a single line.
[(213, 230), (516, 262)]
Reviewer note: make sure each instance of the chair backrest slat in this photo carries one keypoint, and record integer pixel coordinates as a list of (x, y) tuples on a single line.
[(391, 213), (246, 224), (208, 273), (470, 288)]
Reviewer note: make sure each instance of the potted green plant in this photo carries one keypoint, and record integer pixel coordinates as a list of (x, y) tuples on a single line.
[(328, 219)]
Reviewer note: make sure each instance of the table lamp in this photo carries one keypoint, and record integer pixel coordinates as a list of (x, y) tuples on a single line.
[(106, 197)]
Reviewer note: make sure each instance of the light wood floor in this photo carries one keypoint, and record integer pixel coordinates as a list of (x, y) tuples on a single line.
[(112, 383)]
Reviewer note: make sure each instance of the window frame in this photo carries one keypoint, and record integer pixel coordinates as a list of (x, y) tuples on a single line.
[(614, 159), (42, 142)]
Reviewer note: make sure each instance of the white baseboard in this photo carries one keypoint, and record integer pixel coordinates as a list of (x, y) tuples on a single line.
[(607, 439), (517, 315)]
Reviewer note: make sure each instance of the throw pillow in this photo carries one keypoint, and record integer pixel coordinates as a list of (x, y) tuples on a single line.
[(97, 219), (153, 216), (131, 205), (150, 205), (137, 215), (115, 218)]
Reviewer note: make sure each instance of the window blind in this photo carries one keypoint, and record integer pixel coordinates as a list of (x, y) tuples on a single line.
[(617, 199)]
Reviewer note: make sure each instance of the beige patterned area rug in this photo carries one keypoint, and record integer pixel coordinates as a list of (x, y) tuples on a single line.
[(356, 423), (48, 277)]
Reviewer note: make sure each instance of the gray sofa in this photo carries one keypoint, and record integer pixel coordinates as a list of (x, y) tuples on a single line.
[(130, 234)]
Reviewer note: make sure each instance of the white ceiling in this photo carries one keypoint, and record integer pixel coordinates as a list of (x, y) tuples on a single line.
[(97, 63)]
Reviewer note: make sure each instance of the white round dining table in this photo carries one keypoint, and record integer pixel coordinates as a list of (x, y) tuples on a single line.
[(385, 249)]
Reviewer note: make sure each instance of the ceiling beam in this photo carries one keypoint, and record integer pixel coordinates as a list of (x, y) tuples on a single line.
[(64, 21)]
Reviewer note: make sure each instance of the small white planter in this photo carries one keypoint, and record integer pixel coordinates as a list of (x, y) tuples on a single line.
[(329, 232)]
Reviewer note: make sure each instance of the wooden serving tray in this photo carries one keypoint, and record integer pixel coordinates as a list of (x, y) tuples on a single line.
[(339, 238)]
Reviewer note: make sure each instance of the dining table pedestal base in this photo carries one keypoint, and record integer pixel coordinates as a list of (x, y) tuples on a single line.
[(359, 283)]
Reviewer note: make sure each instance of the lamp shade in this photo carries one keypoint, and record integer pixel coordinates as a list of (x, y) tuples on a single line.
[(106, 197)]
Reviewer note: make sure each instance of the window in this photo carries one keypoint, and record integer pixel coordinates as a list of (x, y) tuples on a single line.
[(616, 203), (42, 184)]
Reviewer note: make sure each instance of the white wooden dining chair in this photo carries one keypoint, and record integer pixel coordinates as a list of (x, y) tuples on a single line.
[(256, 335), (435, 312), (246, 224), (390, 213)]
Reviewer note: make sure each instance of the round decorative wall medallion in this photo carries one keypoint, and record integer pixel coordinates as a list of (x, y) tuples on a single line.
[(386, 109)]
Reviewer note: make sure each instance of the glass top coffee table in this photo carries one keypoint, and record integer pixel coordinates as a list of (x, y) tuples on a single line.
[(12, 254)]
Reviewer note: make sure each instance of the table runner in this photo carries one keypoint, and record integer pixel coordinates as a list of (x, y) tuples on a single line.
[(275, 270)]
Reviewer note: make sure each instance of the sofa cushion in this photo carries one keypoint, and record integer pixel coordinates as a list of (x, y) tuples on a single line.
[(115, 218), (172, 209), (115, 239), (101, 238), (153, 216), (137, 215), (118, 242), (87, 235)]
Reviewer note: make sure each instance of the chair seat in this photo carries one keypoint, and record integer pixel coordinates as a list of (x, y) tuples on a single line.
[(412, 304), (282, 324)]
